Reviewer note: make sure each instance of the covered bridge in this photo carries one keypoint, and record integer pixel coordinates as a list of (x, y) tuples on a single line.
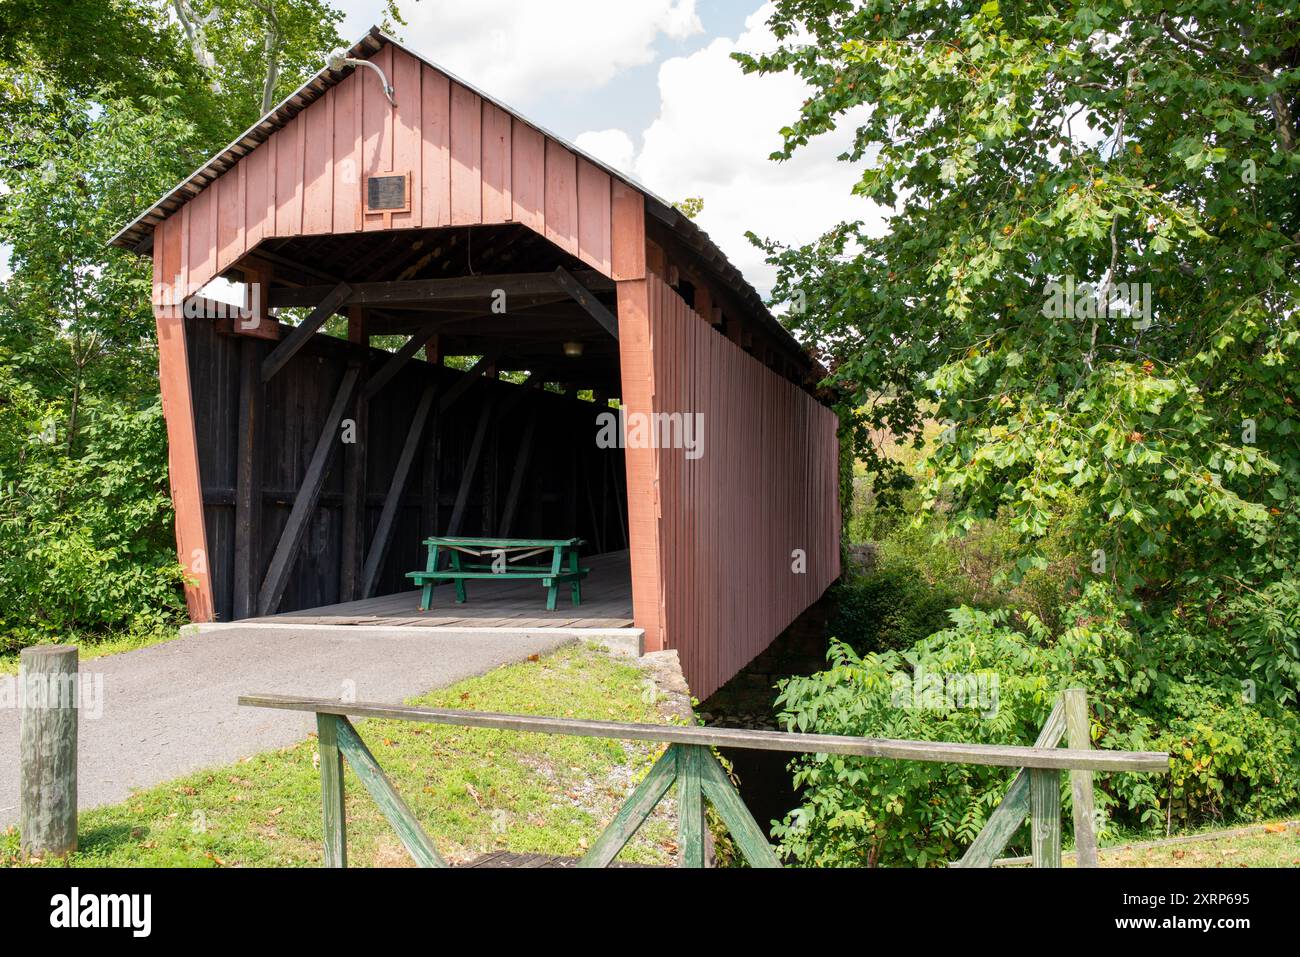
[(417, 219)]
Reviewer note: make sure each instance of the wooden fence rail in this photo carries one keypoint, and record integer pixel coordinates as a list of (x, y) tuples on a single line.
[(689, 761)]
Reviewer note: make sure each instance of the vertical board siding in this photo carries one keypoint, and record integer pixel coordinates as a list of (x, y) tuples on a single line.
[(376, 126), (561, 197), (407, 139), (318, 168), (594, 215), (528, 177), (435, 144), (471, 162), (201, 235), (466, 157), (730, 521), (259, 198), (230, 217), (169, 277), (497, 204), (288, 177)]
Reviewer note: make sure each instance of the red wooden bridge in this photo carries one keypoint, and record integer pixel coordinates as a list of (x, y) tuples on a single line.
[(308, 461)]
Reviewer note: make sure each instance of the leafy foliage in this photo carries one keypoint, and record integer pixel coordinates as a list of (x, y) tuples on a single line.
[(1231, 758), (85, 541), (105, 105), (887, 610), (1014, 146)]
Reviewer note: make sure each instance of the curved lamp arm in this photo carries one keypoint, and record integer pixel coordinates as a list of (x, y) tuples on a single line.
[(339, 58)]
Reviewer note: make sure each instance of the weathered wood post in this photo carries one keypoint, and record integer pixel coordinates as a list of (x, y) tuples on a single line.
[(47, 772), (1045, 817), (690, 807), (1080, 739), (331, 791)]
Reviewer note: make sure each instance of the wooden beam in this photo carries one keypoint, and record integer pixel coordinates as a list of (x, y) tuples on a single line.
[(398, 360), (183, 464), (522, 391), (431, 467), (353, 519), (587, 300), (466, 381), (932, 752), (517, 476), (286, 550), (618, 498), (637, 374), (248, 483), (378, 550), (471, 466), (289, 346), (433, 290)]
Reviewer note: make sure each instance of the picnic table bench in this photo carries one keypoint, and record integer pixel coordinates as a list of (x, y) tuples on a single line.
[(472, 558)]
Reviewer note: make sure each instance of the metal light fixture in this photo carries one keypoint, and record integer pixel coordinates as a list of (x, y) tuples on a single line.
[(339, 58), (573, 350)]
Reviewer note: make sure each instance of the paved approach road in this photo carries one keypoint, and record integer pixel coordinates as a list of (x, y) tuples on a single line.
[(170, 709)]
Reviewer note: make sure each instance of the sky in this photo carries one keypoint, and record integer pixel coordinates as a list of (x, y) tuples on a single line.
[(648, 86)]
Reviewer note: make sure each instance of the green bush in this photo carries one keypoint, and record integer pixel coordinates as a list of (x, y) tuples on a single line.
[(86, 543), (888, 609), (992, 677)]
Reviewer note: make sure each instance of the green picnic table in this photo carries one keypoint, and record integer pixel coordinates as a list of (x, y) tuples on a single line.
[(500, 558)]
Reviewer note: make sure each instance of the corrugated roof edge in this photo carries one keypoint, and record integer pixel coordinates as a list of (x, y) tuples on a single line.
[(138, 234)]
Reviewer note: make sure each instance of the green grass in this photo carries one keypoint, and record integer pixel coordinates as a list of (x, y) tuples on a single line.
[(97, 646), (1269, 845), (473, 790)]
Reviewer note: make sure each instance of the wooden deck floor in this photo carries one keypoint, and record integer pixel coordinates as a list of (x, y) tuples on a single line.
[(606, 603)]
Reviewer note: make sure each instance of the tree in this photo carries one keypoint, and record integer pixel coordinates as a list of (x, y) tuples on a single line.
[(76, 48), (76, 314), (106, 104), (1090, 272), (255, 52)]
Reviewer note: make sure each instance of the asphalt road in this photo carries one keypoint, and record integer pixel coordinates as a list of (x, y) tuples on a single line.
[(170, 709)]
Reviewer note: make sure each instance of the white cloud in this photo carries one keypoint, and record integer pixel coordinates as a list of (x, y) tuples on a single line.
[(521, 52), (613, 147), (715, 130)]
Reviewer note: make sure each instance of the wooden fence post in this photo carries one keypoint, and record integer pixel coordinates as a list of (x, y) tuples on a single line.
[(47, 816), (1045, 817), (331, 791), (690, 806), (1080, 739)]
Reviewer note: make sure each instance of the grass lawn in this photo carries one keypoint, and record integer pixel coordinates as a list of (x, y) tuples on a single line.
[(1275, 844), (98, 646), (1268, 845), (473, 790)]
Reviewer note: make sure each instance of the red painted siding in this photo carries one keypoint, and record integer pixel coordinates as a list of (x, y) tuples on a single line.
[(730, 522), (470, 163)]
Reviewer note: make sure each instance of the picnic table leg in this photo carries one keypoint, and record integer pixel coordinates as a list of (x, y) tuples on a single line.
[(426, 593), (575, 586), (557, 562), (460, 582)]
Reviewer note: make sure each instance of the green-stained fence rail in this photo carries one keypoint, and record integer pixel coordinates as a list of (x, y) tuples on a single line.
[(690, 763)]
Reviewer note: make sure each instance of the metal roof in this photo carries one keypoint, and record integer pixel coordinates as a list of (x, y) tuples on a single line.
[(138, 234)]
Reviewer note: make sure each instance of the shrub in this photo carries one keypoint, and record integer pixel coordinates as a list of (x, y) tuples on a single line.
[(1231, 759), (888, 609), (85, 542)]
